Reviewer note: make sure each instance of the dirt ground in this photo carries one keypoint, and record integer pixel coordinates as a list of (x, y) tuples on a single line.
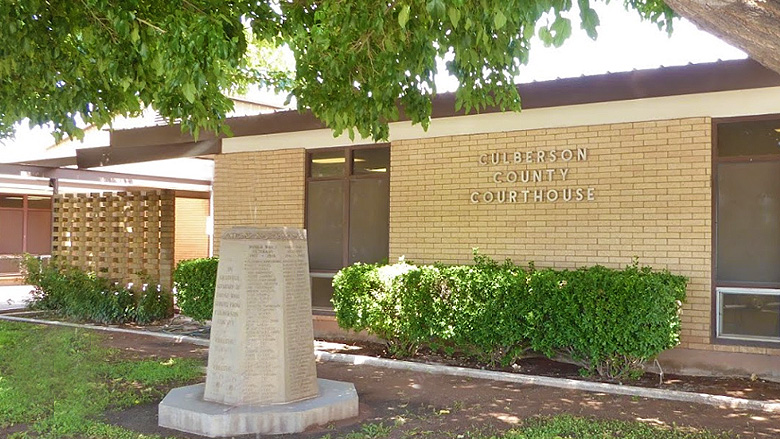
[(728, 386), (437, 406)]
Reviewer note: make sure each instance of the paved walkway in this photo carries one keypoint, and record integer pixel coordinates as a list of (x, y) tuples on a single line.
[(14, 296)]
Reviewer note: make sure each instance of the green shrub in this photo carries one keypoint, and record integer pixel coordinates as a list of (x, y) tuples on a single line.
[(409, 306), (609, 321), (487, 309), (195, 281), (373, 304), (78, 295), (155, 303)]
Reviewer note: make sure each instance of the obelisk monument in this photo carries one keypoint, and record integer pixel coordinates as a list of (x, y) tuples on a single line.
[(261, 375)]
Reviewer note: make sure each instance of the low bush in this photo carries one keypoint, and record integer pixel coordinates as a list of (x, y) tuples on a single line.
[(78, 295), (194, 281), (609, 321), (409, 306)]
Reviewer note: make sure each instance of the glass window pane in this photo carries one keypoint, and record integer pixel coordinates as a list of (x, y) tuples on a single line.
[(369, 220), (749, 138), (328, 163), (748, 222), (371, 161), (12, 201), (39, 232), (751, 315), (325, 224), (321, 292), (38, 202), (11, 232)]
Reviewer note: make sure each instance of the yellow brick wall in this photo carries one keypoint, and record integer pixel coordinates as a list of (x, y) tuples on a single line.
[(261, 189), (652, 200), (191, 239)]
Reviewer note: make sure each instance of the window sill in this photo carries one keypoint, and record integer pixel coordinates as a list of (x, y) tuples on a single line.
[(730, 340)]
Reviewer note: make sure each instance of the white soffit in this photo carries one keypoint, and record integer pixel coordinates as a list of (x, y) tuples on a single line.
[(718, 104)]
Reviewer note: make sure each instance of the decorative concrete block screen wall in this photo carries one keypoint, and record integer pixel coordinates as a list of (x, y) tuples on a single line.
[(127, 236)]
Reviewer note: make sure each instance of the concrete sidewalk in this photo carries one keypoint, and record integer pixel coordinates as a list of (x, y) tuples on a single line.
[(14, 296)]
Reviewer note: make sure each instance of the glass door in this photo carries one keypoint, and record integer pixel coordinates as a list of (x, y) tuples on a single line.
[(347, 212)]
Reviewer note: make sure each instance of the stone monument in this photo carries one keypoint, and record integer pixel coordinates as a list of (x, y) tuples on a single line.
[(261, 375)]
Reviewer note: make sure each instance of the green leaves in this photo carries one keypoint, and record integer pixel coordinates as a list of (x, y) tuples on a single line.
[(75, 294), (590, 19), (454, 14), (609, 321), (436, 8), (403, 16), (557, 33), (93, 60), (356, 63), (188, 89), (195, 281), (499, 20)]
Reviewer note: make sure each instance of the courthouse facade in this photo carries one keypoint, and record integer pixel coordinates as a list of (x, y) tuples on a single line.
[(678, 167)]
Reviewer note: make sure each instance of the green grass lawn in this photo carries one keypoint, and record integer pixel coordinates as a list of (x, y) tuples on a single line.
[(58, 383), (568, 427), (558, 427)]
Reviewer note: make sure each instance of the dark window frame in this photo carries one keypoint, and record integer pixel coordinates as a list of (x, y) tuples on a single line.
[(347, 177), (715, 299)]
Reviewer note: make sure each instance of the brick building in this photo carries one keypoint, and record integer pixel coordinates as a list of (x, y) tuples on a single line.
[(679, 167)]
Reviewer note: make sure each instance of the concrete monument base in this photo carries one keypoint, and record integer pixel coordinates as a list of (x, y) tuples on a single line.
[(185, 409)]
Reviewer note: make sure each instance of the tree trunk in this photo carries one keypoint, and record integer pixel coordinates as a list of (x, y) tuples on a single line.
[(751, 25)]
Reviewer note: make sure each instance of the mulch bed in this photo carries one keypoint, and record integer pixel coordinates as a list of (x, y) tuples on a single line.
[(541, 366)]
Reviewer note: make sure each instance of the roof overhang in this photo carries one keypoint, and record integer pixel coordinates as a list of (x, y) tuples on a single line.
[(623, 86), (42, 176)]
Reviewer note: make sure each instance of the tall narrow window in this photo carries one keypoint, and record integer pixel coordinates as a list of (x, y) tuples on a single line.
[(747, 230), (347, 212)]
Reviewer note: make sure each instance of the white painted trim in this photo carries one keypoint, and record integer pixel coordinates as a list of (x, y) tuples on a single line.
[(718, 104), (719, 312), (757, 291)]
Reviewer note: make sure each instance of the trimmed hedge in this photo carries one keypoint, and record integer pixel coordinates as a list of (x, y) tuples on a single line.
[(609, 321), (75, 294), (194, 282)]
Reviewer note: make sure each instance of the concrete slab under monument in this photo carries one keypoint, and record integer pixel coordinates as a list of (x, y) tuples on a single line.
[(261, 375), (185, 409)]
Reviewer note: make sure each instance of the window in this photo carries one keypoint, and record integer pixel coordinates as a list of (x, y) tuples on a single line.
[(749, 313), (347, 212), (25, 227), (747, 230)]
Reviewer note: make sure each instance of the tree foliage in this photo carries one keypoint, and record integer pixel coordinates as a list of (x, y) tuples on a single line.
[(355, 61)]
